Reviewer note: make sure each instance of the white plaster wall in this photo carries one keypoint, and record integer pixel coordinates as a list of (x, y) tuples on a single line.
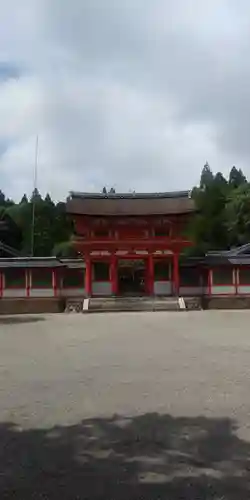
[(191, 290), (101, 288), (163, 288), (243, 289), (41, 292), (14, 293), (71, 292), (223, 290)]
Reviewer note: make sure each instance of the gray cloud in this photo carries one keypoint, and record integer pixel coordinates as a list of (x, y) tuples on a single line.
[(138, 94), (9, 70)]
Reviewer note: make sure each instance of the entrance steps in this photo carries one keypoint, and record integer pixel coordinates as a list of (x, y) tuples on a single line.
[(193, 303), (128, 303), (119, 304)]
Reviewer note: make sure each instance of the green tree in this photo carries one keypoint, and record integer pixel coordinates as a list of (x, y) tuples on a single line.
[(5, 202), (237, 215), (65, 249), (220, 180), (51, 224), (35, 197), (62, 229), (2, 212), (207, 177), (207, 228), (48, 199), (24, 199), (22, 216), (43, 227), (236, 178), (2, 199)]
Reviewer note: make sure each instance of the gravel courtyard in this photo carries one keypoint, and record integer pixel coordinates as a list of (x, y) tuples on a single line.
[(118, 406)]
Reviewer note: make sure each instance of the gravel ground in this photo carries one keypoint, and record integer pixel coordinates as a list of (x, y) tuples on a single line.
[(177, 383)]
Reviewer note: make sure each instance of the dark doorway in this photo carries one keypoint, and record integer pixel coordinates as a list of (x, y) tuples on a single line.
[(131, 277)]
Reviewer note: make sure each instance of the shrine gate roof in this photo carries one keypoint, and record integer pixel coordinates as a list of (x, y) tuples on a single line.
[(112, 204)]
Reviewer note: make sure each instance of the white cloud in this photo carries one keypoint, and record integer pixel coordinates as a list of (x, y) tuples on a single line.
[(133, 94)]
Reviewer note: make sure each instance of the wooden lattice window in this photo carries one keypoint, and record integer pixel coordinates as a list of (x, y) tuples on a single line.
[(161, 271), (190, 276), (100, 271), (41, 278), (102, 233), (73, 278), (162, 232), (244, 276), (223, 276), (15, 278)]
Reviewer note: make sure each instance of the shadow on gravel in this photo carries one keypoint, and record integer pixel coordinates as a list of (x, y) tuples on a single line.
[(148, 457), (17, 320)]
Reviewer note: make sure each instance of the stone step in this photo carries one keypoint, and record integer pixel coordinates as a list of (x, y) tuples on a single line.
[(116, 304), (119, 304), (193, 303)]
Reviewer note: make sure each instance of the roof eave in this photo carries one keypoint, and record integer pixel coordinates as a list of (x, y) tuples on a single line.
[(128, 196)]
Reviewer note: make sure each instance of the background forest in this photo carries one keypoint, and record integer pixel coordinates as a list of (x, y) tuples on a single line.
[(222, 219)]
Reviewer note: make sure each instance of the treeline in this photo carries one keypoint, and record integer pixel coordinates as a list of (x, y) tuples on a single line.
[(52, 229), (222, 219), (223, 211)]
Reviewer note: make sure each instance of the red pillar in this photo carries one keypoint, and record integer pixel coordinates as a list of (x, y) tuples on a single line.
[(113, 275), (236, 279), (27, 282), (54, 281), (210, 281), (150, 275), (88, 276), (176, 274)]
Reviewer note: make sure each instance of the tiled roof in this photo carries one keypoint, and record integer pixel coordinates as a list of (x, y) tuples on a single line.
[(237, 256), (113, 204), (31, 262)]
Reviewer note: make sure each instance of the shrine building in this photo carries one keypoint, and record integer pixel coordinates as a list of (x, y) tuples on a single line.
[(131, 243), (128, 245)]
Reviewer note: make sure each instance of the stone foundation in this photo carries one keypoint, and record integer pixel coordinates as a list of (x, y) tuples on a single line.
[(32, 305), (226, 302)]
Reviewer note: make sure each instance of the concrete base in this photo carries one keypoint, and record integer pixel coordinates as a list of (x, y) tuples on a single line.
[(32, 305), (226, 302)]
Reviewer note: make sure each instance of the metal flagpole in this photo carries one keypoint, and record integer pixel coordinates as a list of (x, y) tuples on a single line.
[(33, 200)]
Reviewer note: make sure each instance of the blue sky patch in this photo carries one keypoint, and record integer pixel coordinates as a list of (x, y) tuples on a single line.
[(9, 71)]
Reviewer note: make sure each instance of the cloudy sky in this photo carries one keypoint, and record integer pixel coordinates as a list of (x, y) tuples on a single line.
[(136, 94)]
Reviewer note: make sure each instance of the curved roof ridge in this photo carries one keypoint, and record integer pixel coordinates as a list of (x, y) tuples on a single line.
[(152, 195)]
